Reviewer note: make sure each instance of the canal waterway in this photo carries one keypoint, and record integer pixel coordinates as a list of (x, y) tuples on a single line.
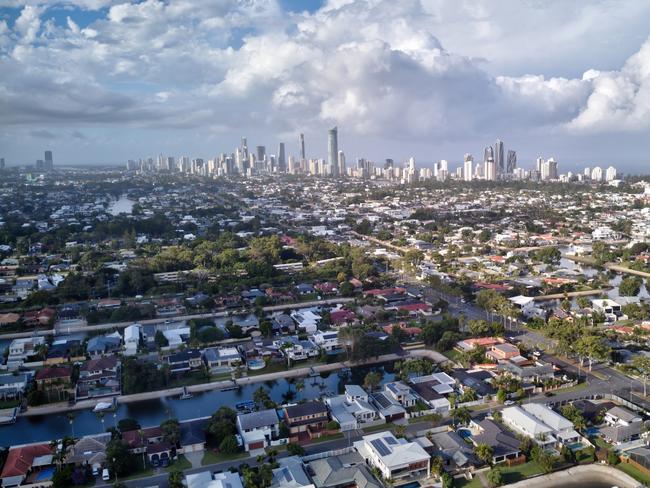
[(153, 412)]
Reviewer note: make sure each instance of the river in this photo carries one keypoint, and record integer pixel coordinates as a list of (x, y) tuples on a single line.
[(153, 412)]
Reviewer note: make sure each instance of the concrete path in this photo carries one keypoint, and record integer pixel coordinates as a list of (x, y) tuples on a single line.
[(195, 458)]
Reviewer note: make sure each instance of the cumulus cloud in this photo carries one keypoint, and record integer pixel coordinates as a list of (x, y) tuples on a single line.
[(377, 68)]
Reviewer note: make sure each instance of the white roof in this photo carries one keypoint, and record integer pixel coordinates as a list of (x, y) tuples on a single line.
[(392, 451), (205, 479), (524, 420), (551, 418), (521, 300)]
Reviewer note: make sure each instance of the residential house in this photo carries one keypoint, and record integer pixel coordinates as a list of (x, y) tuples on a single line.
[(184, 361), (526, 370), (328, 341), (9, 319), (26, 464), (295, 349), (89, 450), (221, 357), (504, 445), (344, 470), (99, 377), (353, 409), (306, 319), (539, 422), (457, 455), (104, 345), (290, 473), (306, 420), (258, 429), (387, 407), (192, 438), (502, 352), (623, 425), (207, 479), (21, 349), (132, 337), (53, 378), (609, 308), (401, 392), (397, 459), (14, 386)]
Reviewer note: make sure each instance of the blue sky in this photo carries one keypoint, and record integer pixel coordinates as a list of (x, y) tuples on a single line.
[(102, 81)]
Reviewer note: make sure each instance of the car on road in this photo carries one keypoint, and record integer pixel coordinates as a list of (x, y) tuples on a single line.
[(549, 394), (507, 403)]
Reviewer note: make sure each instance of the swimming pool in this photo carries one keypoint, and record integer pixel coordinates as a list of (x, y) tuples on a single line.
[(592, 431), (412, 484), (464, 433)]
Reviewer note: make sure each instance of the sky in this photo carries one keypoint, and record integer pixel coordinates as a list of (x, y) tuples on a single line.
[(103, 81)]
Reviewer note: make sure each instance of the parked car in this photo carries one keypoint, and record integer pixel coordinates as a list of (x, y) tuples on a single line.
[(105, 475)]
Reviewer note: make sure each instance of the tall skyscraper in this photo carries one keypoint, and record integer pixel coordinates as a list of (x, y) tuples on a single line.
[(512, 161), (244, 149), (302, 146), (610, 174), (343, 170), (282, 162), (488, 154), (498, 156), (261, 152), (49, 161), (468, 161), (333, 150), (490, 170), (2, 163)]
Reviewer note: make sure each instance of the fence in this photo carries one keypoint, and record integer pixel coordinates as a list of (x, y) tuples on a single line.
[(322, 455)]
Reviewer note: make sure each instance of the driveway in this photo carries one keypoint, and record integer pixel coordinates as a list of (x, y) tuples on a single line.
[(194, 458)]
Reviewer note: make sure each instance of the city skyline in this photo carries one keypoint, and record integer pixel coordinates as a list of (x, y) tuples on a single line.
[(406, 85)]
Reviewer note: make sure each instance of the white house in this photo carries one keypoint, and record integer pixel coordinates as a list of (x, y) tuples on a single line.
[(207, 479), (352, 409), (525, 304), (401, 392), (132, 336), (397, 459), (527, 424), (328, 341), (306, 319), (563, 429), (609, 308)]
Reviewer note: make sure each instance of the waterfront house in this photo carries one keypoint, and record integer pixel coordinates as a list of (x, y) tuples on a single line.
[(184, 361), (13, 386), (504, 445), (295, 349), (89, 450), (99, 377), (353, 409), (306, 420), (328, 341), (388, 408), (193, 435), (257, 429), (53, 378), (221, 357), (401, 392)]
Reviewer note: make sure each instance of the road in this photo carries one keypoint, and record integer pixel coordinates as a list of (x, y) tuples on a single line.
[(62, 329)]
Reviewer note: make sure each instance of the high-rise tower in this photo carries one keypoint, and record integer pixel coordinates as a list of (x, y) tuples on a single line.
[(282, 162), (333, 151), (512, 162), (302, 147), (49, 162), (498, 156)]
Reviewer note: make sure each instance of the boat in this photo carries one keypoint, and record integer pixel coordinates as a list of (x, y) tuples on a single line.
[(313, 373), (8, 416), (245, 406), (186, 395), (105, 406)]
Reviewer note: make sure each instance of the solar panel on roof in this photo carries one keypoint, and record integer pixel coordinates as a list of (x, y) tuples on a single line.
[(390, 440), (380, 447)]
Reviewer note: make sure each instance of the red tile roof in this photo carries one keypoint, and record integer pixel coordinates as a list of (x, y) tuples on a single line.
[(20, 459), (53, 373)]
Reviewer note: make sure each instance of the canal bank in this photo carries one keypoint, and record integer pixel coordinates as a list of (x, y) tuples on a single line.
[(60, 408), (590, 476), (152, 411)]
